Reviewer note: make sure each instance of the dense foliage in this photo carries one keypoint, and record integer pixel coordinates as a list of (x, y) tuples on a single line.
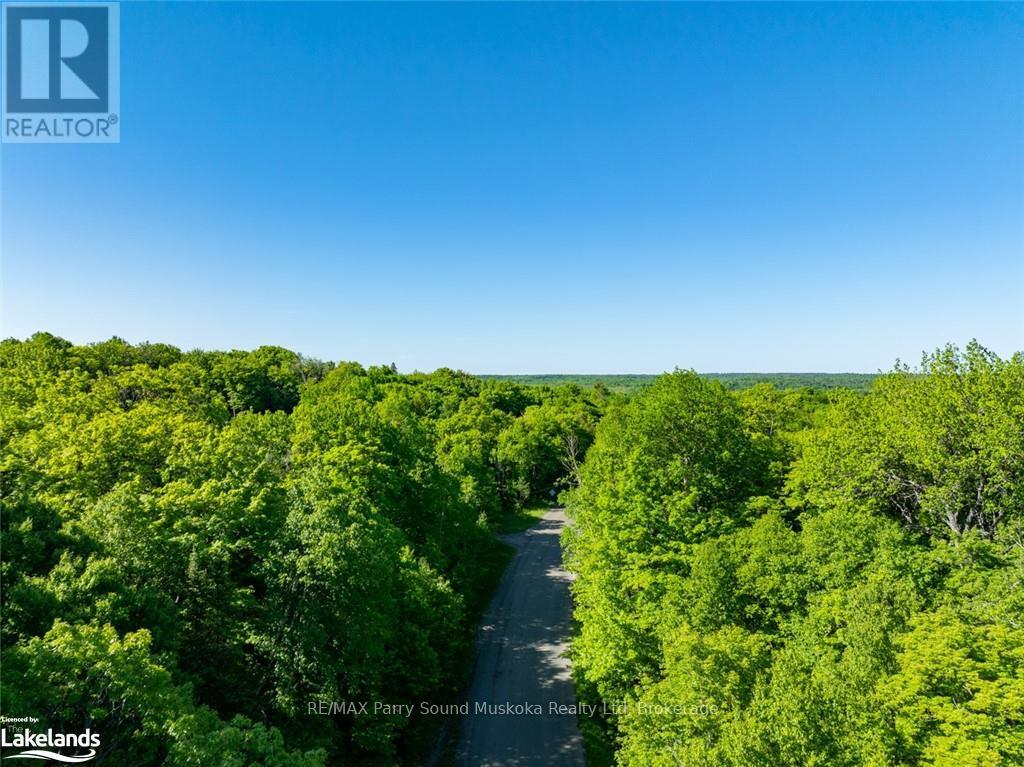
[(766, 581), (196, 546)]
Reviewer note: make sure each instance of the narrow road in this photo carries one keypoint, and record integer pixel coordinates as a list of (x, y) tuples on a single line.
[(522, 659)]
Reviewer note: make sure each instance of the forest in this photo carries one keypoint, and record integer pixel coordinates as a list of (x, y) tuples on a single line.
[(198, 545), (773, 579)]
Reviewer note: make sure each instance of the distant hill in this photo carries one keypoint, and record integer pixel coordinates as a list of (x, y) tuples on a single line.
[(627, 382)]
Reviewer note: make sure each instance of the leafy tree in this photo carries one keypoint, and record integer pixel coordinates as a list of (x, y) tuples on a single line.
[(941, 449), (673, 465)]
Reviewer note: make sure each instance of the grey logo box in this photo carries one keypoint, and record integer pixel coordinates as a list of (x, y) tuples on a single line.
[(61, 72)]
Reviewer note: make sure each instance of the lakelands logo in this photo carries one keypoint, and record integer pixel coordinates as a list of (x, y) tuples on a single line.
[(61, 72), (74, 748)]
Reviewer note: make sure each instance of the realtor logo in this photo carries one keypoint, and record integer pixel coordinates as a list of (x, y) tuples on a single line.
[(61, 72)]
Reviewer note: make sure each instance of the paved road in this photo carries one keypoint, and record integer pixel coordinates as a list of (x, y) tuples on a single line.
[(521, 658)]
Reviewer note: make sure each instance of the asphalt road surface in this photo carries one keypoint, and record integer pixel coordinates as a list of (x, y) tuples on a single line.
[(522, 659)]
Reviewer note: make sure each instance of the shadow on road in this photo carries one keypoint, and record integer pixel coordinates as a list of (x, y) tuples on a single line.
[(522, 667)]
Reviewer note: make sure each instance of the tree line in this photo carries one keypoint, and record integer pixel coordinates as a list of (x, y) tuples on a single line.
[(197, 546), (777, 578), (632, 383)]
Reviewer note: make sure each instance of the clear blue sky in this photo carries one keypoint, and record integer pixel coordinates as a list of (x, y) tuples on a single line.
[(541, 188)]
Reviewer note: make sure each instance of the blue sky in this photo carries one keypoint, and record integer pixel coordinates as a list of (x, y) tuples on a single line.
[(541, 188)]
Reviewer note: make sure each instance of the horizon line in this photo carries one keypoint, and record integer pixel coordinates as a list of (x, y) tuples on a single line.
[(700, 373)]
